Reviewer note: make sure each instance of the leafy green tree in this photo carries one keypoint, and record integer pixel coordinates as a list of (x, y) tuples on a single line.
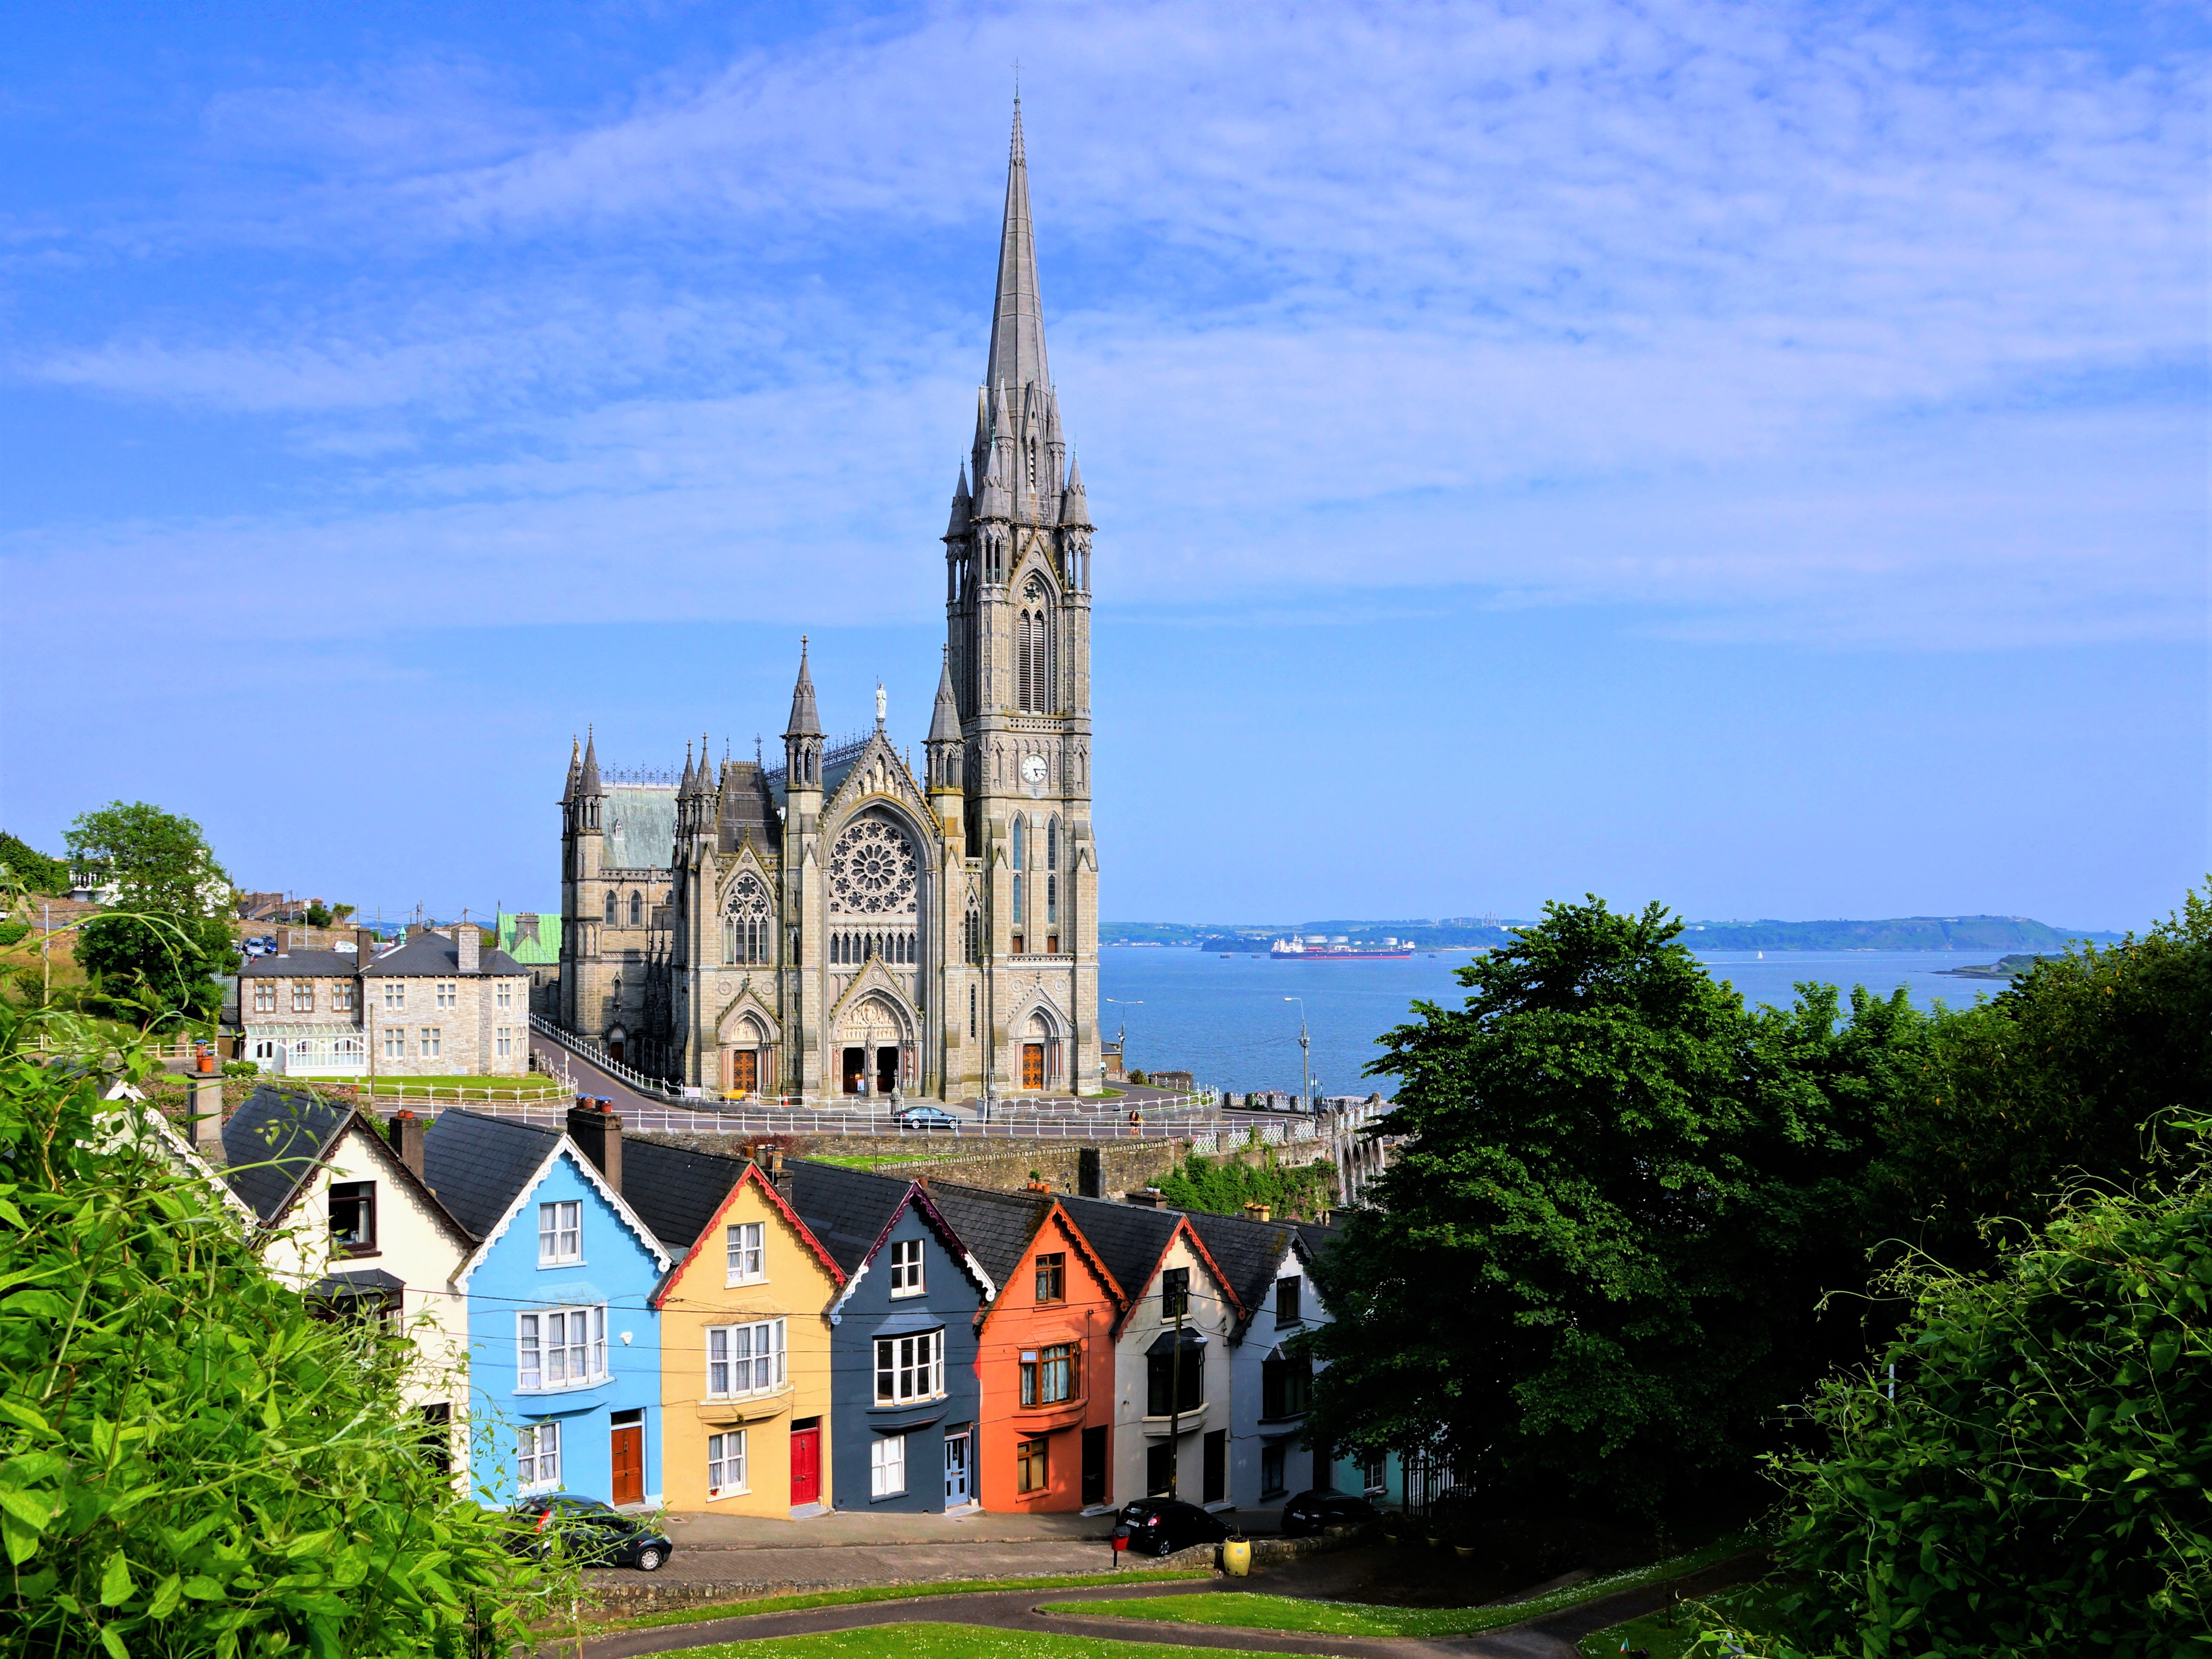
[(33, 870), (1596, 1264), (159, 860), (154, 959), (317, 915), (2025, 1471), (2067, 1073), (190, 1463)]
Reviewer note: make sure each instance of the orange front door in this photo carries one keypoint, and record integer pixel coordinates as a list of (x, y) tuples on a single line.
[(805, 1465), (1032, 1066), (744, 1070), (629, 1464)]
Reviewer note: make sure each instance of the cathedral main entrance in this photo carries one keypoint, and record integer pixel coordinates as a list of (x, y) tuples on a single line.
[(885, 1069)]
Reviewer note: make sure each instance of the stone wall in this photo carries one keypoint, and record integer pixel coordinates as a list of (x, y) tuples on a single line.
[(1005, 1165)]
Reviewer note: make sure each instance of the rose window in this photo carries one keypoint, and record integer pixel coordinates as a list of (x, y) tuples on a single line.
[(872, 870)]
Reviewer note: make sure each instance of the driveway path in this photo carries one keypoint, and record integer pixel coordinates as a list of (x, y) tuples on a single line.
[(1550, 1638)]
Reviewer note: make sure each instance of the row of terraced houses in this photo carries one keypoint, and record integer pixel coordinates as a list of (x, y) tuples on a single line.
[(650, 1324)]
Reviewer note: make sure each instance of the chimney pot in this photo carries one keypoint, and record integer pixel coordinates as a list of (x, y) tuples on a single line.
[(206, 1113), (598, 1133), (407, 1130)]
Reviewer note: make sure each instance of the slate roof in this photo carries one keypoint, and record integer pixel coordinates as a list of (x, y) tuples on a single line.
[(1129, 1239), (476, 1164), (995, 1226), (302, 964), (748, 809), (1248, 1252), (427, 955), (272, 1142), (674, 1190), (845, 1209)]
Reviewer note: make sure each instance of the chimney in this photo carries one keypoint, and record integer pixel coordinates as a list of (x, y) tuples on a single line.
[(407, 1139), (283, 941), (415, 930), (599, 1132), (206, 1114), (1145, 1198), (1257, 1211), (470, 942), (364, 947)]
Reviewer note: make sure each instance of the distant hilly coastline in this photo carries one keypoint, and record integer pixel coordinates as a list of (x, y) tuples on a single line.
[(1982, 935)]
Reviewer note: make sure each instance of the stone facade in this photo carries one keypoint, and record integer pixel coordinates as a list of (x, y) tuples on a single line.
[(838, 925), (434, 1005)]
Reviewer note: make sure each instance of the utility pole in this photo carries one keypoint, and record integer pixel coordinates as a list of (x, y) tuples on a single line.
[(1305, 1050)]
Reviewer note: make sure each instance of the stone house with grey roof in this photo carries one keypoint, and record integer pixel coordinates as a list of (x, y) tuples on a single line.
[(842, 923), (436, 1004)]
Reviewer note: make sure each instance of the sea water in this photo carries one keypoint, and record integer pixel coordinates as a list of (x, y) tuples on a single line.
[(1227, 1021)]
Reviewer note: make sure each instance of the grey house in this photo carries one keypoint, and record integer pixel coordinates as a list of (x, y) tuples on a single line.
[(1270, 1384), (903, 1388)]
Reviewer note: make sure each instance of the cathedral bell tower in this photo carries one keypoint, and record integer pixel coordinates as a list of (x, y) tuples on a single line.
[(1018, 615)]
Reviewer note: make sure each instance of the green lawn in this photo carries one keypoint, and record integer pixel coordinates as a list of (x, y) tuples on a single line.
[(926, 1641), (1751, 1607), (849, 1598), (1245, 1610), (532, 1086)]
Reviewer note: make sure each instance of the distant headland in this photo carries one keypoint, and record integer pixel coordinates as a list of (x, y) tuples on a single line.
[(1979, 934)]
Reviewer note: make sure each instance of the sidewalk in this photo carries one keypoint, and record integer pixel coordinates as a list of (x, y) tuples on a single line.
[(876, 1529)]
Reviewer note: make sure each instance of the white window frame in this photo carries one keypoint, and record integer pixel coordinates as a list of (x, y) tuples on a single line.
[(538, 1456), (906, 1266), (503, 1042), (550, 1340), (395, 1042), (745, 1247), (910, 1367), (887, 1466), (395, 993), (433, 1042), (745, 1359), (447, 995), (561, 1233), (303, 996), (726, 1464), (507, 994), (342, 996)]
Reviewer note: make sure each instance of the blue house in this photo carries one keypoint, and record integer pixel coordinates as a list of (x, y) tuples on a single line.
[(904, 1395), (564, 1343)]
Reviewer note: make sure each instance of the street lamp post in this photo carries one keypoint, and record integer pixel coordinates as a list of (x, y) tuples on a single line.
[(1305, 1050), (1121, 1036)]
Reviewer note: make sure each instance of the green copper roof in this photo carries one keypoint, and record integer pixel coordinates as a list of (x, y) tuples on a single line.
[(532, 938)]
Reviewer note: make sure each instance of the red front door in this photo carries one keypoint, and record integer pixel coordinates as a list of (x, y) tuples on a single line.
[(629, 1464), (805, 1465)]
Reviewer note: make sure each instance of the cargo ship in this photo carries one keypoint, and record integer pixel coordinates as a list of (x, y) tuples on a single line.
[(1316, 947)]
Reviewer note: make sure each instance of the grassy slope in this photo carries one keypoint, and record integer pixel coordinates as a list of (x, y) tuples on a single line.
[(924, 1641), (1247, 1611), (1749, 1606), (849, 1598)]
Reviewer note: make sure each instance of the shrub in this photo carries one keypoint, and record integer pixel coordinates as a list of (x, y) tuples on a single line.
[(2037, 1482), (14, 933), (190, 1463), (241, 1068)]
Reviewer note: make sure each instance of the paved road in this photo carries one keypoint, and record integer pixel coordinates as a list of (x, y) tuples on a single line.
[(1550, 1638)]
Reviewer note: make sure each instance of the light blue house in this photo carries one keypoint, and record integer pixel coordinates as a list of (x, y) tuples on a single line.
[(564, 1343)]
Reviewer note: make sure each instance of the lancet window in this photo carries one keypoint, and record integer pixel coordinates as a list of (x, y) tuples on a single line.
[(745, 923), (1033, 666)]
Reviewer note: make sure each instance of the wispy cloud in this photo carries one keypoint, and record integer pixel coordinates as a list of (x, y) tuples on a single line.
[(1808, 322)]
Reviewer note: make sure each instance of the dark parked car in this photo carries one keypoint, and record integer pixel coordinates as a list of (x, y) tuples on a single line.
[(1161, 1526), (1313, 1511), (586, 1530)]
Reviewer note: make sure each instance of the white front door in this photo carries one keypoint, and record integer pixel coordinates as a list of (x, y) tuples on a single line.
[(955, 1469)]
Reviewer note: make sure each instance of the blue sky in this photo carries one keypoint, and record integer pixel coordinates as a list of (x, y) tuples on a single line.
[(1754, 457)]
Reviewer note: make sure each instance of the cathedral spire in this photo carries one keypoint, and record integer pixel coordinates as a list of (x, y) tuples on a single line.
[(1018, 318), (575, 767), (588, 782), (805, 722)]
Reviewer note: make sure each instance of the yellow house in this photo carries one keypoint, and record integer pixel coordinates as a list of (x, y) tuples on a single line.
[(744, 1347)]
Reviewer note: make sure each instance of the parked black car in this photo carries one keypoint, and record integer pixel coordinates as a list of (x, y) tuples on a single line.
[(1313, 1511), (1161, 1526), (588, 1531)]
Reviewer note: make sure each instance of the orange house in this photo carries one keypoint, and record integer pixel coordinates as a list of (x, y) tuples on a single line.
[(1044, 1351)]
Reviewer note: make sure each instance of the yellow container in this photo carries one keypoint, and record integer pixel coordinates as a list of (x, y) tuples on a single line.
[(1236, 1557)]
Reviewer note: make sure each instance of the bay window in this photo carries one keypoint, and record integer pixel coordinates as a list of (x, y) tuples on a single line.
[(561, 1348), (909, 1368), (744, 1358)]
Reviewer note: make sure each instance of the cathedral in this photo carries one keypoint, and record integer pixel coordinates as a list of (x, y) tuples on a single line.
[(837, 925)]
